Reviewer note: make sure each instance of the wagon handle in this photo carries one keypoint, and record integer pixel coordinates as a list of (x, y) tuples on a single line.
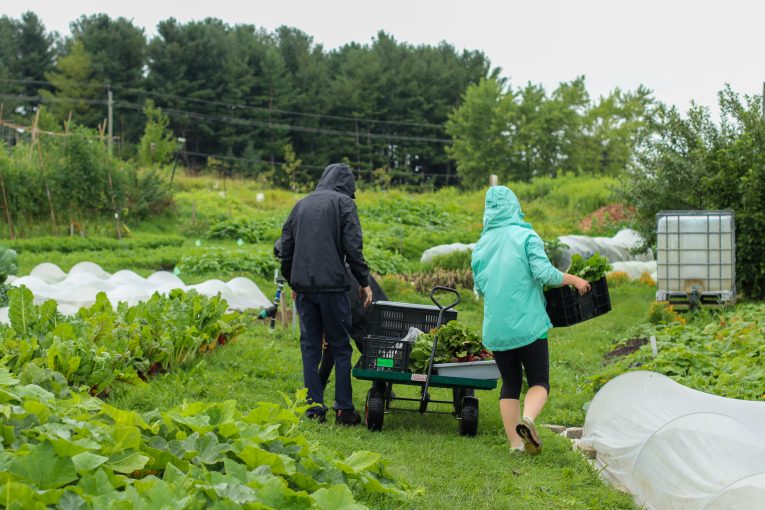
[(441, 309), (439, 305)]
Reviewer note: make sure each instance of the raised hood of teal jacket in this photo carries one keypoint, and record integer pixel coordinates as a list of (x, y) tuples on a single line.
[(502, 209)]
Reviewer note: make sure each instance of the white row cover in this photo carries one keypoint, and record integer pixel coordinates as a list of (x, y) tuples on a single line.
[(79, 287), (444, 249), (674, 447), (616, 249)]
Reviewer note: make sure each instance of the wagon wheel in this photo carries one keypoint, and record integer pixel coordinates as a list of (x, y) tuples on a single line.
[(468, 420), (374, 411), (457, 395)]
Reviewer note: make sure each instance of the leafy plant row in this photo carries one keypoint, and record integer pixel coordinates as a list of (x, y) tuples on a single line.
[(223, 261), (718, 353), (80, 452), (100, 344), (72, 244)]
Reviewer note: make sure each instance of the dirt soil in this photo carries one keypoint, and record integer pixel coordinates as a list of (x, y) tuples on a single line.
[(625, 348)]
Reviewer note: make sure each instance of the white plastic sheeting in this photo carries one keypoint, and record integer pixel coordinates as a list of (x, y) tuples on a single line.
[(85, 280), (616, 249), (674, 447), (634, 269), (444, 249)]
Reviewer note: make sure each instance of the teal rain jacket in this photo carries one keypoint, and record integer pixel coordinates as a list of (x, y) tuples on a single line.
[(509, 269)]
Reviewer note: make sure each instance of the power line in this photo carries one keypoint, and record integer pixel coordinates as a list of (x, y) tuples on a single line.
[(240, 106), (171, 112)]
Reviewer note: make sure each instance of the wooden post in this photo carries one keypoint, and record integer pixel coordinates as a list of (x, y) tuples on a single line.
[(117, 226), (11, 233), (34, 133), (47, 188)]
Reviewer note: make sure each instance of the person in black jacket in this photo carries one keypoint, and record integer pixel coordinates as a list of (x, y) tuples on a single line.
[(321, 235)]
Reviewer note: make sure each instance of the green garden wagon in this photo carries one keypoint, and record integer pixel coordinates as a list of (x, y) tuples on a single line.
[(385, 362)]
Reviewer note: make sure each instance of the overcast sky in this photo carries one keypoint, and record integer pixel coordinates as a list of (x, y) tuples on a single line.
[(681, 49)]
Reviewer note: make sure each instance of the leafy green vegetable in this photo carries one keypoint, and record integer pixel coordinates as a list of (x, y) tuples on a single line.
[(718, 353), (455, 343), (100, 345), (8, 264), (591, 269), (159, 460)]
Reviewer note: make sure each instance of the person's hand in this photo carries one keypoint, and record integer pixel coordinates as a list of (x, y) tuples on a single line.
[(365, 293), (294, 295), (582, 285)]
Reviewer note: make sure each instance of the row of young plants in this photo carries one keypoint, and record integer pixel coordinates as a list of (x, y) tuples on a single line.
[(61, 446), (719, 352), (71, 244)]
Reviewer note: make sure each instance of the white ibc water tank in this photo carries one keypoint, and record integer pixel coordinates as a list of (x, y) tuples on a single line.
[(695, 250)]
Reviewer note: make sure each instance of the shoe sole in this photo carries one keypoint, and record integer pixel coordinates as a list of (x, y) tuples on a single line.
[(531, 444)]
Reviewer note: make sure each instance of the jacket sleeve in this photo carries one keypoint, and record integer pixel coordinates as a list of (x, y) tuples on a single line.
[(288, 248), (541, 269), (475, 264), (352, 242)]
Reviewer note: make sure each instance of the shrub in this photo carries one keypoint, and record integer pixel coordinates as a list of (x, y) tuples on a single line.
[(693, 163)]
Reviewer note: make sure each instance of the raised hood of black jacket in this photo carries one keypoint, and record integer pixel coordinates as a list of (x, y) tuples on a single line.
[(338, 177)]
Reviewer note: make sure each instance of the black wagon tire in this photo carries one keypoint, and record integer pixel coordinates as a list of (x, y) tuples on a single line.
[(468, 422), (374, 411), (458, 394)]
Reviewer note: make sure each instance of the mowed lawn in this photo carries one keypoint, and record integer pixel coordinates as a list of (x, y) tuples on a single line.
[(448, 470)]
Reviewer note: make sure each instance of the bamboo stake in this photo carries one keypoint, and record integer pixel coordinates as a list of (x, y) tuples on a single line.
[(11, 233)]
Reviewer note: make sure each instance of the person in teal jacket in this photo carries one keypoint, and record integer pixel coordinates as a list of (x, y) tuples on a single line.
[(510, 268)]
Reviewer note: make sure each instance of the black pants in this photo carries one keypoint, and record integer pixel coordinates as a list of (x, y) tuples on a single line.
[(533, 358), (326, 315), (328, 361)]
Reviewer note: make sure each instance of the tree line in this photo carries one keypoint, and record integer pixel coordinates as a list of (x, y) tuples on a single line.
[(279, 106), (244, 94)]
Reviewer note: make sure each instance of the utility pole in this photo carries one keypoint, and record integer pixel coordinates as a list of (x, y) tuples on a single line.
[(111, 118)]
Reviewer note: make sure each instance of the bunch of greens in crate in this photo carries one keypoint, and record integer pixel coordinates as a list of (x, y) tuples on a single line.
[(591, 269), (79, 452), (100, 345), (456, 343)]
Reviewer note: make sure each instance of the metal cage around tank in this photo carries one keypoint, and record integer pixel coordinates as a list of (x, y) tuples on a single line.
[(696, 257)]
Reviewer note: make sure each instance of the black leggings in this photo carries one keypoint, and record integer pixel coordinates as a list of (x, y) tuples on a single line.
[(533, 358)]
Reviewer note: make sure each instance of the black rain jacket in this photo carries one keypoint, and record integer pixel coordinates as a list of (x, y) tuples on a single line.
[(322, 233)]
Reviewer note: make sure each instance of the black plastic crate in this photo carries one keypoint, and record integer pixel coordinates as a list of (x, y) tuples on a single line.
[(385, 354), (393, 320), (566, 306)]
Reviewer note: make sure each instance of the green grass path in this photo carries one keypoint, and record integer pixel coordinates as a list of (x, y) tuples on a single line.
[(426, 451)]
